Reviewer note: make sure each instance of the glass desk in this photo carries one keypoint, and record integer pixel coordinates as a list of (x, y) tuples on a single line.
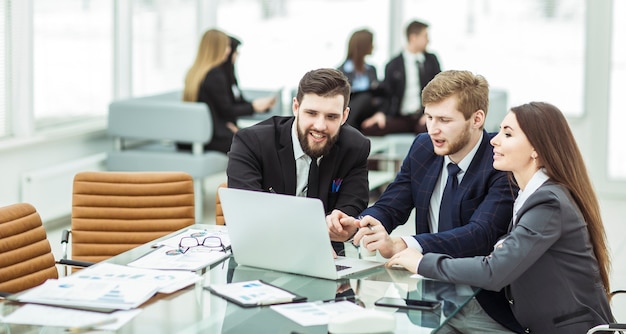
[(196, 310)]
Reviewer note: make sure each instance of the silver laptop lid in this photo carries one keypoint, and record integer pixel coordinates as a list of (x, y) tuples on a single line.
[(278, 232)]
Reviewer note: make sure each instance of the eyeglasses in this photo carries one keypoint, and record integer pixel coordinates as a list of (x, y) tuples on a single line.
[(212, 242)]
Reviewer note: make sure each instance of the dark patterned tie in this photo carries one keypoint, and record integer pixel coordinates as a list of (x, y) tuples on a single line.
[(420, 79), (314, 179), (420, 72), (447, 205)]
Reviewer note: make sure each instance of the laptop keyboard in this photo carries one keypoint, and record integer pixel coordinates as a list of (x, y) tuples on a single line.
[(340, 267)]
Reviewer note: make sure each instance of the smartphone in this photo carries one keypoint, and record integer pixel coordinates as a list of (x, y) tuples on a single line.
[(413, 304)]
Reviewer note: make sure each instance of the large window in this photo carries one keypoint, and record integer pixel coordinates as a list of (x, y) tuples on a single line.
[(532, 49), (3, 68), (164, 44), (72, 59), (617, 115), (284, 39)]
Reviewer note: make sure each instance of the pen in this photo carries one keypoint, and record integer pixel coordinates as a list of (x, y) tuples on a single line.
[(88, 327), (275, 301)]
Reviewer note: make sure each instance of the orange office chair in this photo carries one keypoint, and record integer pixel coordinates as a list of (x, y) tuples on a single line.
[(113, 212), (26, 259), (219, 213)]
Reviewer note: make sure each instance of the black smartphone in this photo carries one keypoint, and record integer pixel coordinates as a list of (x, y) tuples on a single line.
[(413, 304)]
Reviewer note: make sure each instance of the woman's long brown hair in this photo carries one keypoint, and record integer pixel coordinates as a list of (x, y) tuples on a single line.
[(564, 164)]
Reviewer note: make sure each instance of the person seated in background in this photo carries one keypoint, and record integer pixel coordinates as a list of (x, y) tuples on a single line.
[(313, 153), (366, 97), (462, 204), (405, 77), (211, 79), (554, 262)]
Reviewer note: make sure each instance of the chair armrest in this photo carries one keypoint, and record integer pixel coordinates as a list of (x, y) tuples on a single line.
[(65, 237)]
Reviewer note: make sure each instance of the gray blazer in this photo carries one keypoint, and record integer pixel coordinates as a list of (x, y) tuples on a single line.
[(546, 265)]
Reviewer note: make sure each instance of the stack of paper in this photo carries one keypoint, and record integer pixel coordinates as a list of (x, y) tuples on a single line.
[(107, 286), (90, 294)]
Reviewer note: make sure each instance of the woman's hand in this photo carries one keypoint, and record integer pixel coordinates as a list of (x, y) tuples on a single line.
[(379, 118), (232, 127), (263, 104), (408, 259)]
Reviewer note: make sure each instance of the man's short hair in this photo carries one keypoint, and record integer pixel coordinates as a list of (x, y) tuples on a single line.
[(472, 91), (415, 27), (325, 82)]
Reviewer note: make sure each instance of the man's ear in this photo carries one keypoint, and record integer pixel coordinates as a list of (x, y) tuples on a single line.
[(294, 106), (346, 113), (478, 119)]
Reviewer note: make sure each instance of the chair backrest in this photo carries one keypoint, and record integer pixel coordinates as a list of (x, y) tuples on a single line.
[(26, 258), (153, 118), (219, 213), (113, 212)]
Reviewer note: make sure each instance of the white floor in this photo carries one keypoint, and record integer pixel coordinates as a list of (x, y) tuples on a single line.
[(613, 211)]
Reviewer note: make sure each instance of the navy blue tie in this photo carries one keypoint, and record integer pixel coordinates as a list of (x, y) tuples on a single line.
[(447, 205)]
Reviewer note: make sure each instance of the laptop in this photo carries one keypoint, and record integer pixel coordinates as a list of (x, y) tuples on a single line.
[(284, 233)]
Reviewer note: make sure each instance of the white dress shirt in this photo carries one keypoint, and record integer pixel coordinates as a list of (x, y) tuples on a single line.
[(303, 163), (412, 99), (539, 178)]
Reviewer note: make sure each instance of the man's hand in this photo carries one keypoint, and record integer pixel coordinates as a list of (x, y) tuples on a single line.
[(375, 237), (340, 226), (408, 258)]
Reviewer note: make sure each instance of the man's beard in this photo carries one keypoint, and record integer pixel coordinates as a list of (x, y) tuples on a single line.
[(460, 142), (315, 152)]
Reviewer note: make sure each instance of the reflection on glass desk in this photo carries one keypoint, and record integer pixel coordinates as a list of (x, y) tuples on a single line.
[(196, 310)]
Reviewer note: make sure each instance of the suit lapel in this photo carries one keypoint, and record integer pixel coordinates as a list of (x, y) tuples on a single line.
[(430, 181), (327, 165), (287, 161), (471, 173)]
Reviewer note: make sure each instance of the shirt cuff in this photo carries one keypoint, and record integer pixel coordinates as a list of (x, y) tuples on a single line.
[(412, 243)]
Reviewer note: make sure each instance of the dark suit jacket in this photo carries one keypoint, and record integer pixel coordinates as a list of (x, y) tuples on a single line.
[(261, 157), (546, 264), (395, 80), (215, 90), (485, 207), (485, 201)]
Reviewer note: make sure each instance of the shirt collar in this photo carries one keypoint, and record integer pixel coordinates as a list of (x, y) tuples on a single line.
[(412, 57), (297, 149), (539, 178)]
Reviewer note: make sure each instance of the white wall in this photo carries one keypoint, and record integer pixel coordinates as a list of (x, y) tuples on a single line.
[(17, 157)]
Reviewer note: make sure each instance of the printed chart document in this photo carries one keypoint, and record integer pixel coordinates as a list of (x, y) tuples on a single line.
[(41, 315), (254, 293), (315, 313), (205, 249), (107, 286), (167, 281), (90, 294)]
